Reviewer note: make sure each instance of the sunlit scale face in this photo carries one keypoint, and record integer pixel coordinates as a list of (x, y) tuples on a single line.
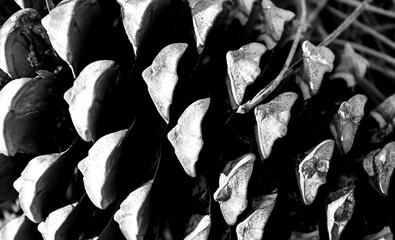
[(313, 170), (232, 192), (339, 211)]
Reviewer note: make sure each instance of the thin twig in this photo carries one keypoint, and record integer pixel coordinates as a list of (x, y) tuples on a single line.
[(367, 50), (385, 71), (273, 84), (50, 5), (285, 72), (346, 23), (314, 14), (370, 8), (385, 27), (370, 20), (364, 27)]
